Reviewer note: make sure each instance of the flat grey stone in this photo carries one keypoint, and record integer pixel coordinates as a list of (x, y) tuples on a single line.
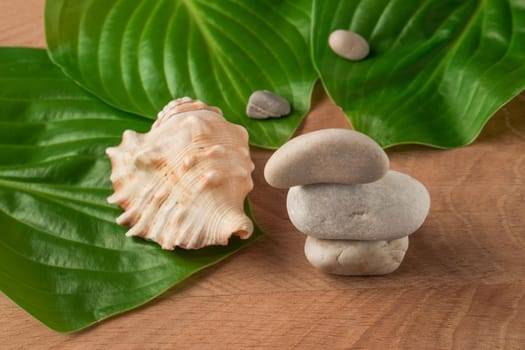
[(264, 104), (327, 156), (390, 208), (355, 258)]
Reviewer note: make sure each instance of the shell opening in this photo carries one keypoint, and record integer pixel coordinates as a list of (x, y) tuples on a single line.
[(242, 234)]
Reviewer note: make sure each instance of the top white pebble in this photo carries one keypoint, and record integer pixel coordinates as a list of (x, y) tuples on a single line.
[(348, 44)]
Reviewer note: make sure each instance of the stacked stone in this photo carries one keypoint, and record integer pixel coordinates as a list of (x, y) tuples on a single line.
[(356, 212)]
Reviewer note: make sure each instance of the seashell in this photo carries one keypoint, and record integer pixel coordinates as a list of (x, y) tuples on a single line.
[(183, 183)]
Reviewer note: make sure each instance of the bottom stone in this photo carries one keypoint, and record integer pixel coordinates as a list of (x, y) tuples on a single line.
[(355, 258)]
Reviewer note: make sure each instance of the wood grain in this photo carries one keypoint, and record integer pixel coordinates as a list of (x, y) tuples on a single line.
[(461, 286)]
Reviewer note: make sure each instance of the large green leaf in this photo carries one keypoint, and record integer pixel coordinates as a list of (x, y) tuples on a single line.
[(438, 69), (62, 257), (137, 55)]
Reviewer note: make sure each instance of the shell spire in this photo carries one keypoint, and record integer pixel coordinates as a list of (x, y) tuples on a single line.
[(183, 183)]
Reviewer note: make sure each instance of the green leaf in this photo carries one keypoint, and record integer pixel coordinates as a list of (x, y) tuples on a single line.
[(137, 55), (438, 69), (62, 257)]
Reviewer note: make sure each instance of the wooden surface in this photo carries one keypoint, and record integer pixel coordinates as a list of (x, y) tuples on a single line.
[(461, 285)]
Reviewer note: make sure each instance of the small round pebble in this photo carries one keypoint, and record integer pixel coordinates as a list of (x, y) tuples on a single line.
[(390, 208), (355, 258), (265, 104), (349, 45), (327, 156)]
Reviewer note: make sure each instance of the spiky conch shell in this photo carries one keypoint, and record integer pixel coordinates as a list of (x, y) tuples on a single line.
[(183, 183)]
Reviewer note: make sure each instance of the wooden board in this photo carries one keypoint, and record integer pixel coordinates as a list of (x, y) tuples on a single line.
[(462, 284)]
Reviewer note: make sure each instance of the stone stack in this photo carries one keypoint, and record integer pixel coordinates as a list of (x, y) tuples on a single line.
[(356, 212)]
